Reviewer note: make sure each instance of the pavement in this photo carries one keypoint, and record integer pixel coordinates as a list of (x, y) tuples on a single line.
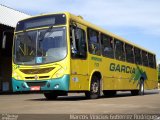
[(122, 103)]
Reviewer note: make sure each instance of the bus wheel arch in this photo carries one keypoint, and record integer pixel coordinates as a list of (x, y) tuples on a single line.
[(95, 86), (140, 90)]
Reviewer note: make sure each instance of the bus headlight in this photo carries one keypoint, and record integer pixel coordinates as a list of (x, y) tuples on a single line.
[(59, 73), (16, 76)]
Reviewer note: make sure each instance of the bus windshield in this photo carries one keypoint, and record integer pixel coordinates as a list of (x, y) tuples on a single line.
[(40, 46)]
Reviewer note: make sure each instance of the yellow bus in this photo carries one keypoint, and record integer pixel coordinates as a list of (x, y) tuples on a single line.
[(60, 53)]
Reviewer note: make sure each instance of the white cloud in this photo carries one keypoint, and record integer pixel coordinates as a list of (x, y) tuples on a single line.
[(144, 14), (141, 15)]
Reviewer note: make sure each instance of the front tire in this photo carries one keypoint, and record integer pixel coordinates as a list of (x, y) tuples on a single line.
[(94, 92), (50, 96)]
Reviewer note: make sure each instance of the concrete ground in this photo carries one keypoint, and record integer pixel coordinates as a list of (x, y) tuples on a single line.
[(122, 103)]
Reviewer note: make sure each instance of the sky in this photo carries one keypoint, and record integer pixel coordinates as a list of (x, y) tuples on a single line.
[(135, 20)]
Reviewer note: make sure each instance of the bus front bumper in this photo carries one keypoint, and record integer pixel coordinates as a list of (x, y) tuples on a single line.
[(61, 84)]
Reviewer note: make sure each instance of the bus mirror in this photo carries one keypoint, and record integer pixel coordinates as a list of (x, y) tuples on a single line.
[(73, 47)]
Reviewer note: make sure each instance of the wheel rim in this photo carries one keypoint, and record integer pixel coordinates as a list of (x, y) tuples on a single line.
[(142, 88), (95, 87)]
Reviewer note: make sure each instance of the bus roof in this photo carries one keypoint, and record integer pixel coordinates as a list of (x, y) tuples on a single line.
[(88, 24), (81, 20)]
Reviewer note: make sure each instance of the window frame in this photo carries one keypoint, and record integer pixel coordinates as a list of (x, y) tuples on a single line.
[(155, 62), (123, 53), (135, 56), (85, 42), (127, 55), (111, 40), (98, 43), (145, 58), (153, 65)]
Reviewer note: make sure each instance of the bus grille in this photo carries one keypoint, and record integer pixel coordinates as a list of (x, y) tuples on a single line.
[(37, 71), (36, 83), (40, 77)]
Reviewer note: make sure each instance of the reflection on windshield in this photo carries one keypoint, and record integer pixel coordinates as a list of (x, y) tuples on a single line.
[(42, 46)]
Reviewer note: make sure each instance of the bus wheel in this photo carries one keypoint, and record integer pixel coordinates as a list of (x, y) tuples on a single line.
[(94, 92), (50, 96), (141, 89), (109, 93)]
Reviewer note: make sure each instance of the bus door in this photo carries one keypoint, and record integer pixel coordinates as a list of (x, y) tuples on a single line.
[(79, 64)]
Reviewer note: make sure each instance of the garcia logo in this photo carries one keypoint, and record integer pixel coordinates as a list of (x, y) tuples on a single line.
[(122, 68)]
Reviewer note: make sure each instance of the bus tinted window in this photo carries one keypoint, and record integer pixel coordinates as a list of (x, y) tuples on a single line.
[(138, 57), (93, 39), (145, 58), (154, 59), (129, 53), (107, 46), (78, 43), (151, 60), (119, 50)]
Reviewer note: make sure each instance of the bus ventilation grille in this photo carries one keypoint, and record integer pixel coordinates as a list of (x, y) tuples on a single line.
[(37, 71), (39, 77)]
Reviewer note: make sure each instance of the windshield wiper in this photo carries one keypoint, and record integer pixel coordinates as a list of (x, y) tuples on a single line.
[(48, 30)]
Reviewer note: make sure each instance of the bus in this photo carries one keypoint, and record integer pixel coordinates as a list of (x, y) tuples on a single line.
[(59, 53)]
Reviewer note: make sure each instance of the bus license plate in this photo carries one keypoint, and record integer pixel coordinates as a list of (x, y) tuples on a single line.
[(35, 88)]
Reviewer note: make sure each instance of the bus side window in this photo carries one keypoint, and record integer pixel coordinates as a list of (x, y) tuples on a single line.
[(129, 53), (119, 50), (93, 39), (151, 60), (138, 57), (78, 43), (145, 58), (154, 60), (107, 46)]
